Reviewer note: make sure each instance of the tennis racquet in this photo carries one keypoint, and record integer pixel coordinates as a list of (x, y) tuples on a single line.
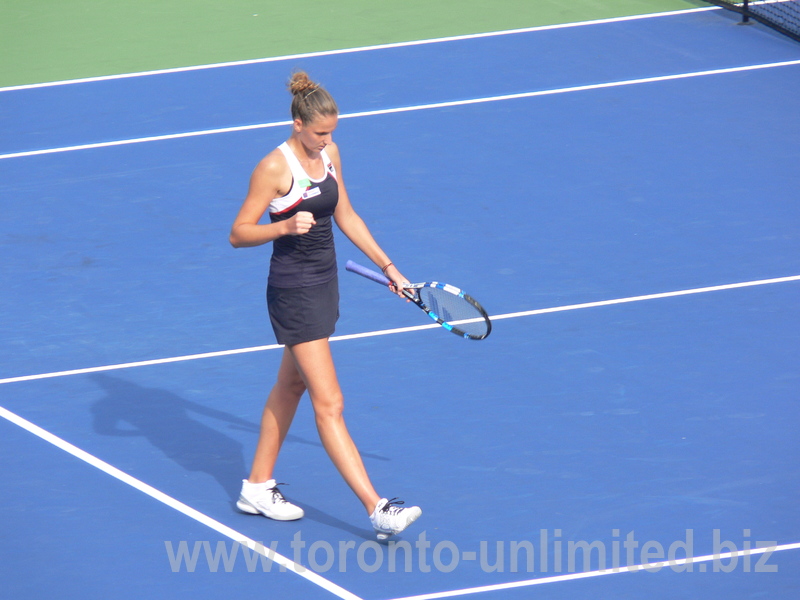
[(447, 305)]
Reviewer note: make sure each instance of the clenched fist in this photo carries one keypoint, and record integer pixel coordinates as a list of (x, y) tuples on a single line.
[(301, 223)]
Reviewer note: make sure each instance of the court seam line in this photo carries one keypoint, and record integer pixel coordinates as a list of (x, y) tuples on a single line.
[(354, 336), (405, 109), (413, 108), (370, 48), (613, 571), (175, 504)]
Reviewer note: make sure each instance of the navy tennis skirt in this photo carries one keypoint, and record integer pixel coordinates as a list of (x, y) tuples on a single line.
[(303, 314)]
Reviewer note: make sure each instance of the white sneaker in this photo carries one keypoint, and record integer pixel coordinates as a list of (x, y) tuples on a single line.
[(388, 518), (266, 499)]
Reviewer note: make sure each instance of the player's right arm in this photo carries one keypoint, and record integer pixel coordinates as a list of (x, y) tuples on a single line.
[(271, 179)]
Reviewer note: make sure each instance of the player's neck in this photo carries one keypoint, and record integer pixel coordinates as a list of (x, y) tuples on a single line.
[(302, 153)]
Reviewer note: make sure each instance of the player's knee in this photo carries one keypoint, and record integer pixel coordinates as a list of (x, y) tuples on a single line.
[(330, 408), (292, 387), (297, 388)]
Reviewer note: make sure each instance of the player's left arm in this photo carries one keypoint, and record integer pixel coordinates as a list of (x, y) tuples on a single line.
[(353, 226)]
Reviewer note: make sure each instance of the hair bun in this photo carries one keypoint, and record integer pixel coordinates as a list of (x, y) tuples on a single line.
[(309, 99), (300, 84)]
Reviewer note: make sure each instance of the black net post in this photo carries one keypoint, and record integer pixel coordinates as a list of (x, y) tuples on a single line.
[(781, 15)]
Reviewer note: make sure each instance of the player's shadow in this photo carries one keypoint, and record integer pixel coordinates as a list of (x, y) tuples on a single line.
[(314, 514), (166, 421)]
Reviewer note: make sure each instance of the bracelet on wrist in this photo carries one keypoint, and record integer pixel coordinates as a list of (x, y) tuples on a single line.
[(386, 267)]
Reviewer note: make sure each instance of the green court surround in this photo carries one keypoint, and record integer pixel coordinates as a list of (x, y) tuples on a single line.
[(48, 40)]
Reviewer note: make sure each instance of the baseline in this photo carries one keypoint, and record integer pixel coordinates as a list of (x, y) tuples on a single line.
[(387, 111)]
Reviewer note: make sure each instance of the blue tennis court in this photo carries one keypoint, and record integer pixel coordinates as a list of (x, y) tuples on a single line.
[(620, 195)]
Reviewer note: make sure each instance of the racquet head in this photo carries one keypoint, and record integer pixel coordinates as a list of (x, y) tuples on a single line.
[(452, 309), (446, 304)]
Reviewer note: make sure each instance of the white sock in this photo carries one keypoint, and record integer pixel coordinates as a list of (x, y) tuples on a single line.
[(257, 487)]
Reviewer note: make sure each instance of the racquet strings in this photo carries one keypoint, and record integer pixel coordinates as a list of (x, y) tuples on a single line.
[(454, 309)]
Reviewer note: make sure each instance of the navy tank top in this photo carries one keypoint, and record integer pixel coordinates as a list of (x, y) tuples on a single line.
[(308, 259)]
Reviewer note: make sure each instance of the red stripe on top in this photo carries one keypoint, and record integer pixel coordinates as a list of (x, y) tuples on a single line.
[(285, 210)]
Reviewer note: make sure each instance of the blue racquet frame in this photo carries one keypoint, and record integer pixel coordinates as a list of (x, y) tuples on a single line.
[(477, 327)]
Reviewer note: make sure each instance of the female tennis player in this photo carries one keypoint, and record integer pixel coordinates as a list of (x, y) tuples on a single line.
[(300, 185)]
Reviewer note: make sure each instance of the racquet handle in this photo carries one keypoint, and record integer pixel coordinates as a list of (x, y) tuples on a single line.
[(368, 273)]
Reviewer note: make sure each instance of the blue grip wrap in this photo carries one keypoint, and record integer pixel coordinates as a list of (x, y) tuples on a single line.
[(368, 273)]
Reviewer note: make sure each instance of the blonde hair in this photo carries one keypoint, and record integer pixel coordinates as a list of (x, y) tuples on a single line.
[(310, 100)]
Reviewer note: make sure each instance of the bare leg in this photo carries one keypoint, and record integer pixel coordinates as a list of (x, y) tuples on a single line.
[(315, 365), (277, 418)]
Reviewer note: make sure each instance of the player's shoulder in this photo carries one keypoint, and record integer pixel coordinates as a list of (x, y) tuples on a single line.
[(332, 151), (274, 160), (273, 164)]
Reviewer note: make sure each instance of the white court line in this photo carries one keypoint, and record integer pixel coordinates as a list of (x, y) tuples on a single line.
[(354, 336), (388, 111), (456, 38), (142, 140), (627, 569), (315, 578), (223, 529), (190, 512), (703, 290)]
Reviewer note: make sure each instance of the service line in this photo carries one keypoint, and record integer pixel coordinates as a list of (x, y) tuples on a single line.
[(368, 334)]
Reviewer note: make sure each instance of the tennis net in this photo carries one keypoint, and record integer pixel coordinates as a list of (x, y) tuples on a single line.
[(782, 15)]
